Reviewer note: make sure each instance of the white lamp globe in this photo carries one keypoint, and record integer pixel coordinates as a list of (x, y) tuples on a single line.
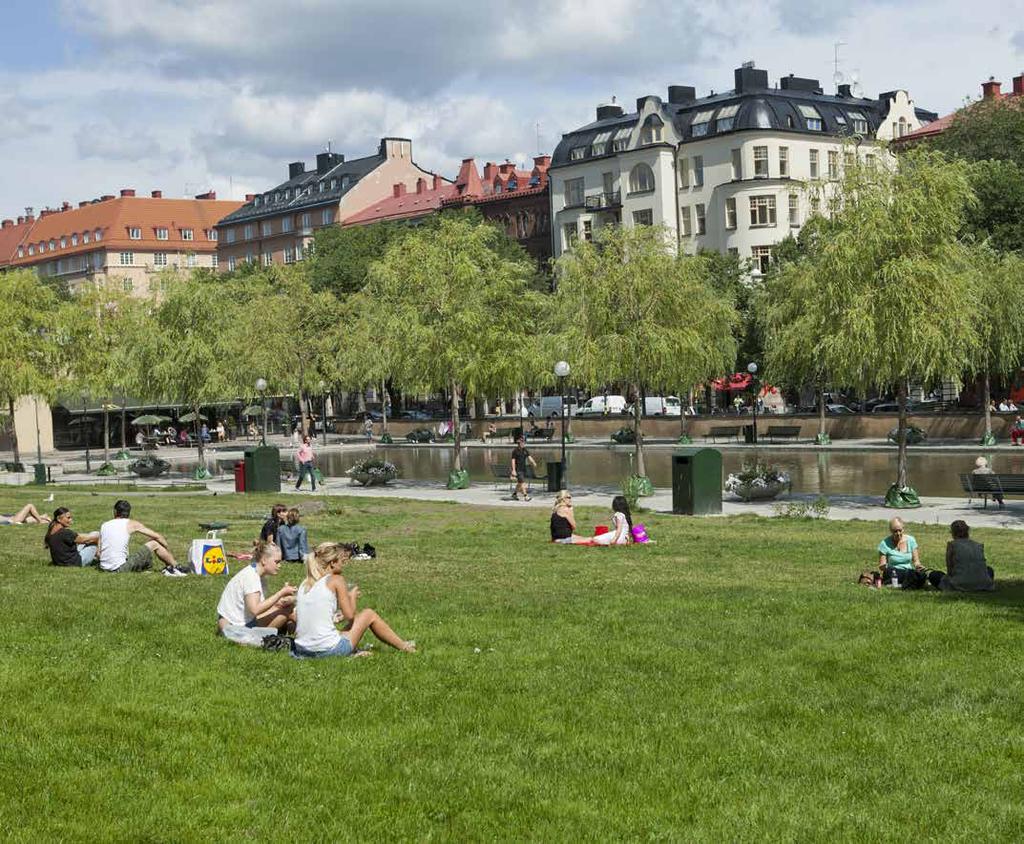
[(261, 384), (562, 369), (752, 368)]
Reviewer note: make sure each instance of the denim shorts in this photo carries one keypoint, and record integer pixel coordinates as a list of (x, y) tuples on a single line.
[(343, 648)]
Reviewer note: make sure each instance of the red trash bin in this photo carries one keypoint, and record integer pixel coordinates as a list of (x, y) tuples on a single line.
[(240, 476)]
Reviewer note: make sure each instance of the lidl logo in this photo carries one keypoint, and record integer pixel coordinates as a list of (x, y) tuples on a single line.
[(214, 561)]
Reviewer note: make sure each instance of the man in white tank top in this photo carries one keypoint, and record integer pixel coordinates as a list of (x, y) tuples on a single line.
[(113, 545)]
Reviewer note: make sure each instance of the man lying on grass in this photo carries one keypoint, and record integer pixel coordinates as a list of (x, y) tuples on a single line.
[(245, 614), (113, 546)]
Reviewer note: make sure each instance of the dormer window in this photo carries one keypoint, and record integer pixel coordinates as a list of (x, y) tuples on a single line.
[(53, 245), (841, 122), (98, 235), (652, 131), (161, 234), (860, 122), (63, 242), (512, 183), (811, 117), (577, 153), (85, 237), (186, 234), (74, 240), (699, 126), (211, 234), (134, 233), (277, 196), (620, 143), (31, 249), (322, 187), (256, 202), (599, 146), (534, 181), (726, 118), (334, 184)]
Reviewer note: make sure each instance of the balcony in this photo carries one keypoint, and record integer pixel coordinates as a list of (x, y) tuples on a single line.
[(603, 201)]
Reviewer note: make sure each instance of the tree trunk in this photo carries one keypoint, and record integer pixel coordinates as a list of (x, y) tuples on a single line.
[(14, 432), (821, 410), (124, 411), (986, 402), (106, 434), (199, 439), (638, 414), (384, 406), (901, 436), (457, 458)]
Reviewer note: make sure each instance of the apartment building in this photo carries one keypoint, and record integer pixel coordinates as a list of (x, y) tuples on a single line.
[(733, 172), (125, 240), (277, 226)]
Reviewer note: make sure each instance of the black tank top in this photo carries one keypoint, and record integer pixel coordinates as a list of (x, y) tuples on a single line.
[(560, 527)]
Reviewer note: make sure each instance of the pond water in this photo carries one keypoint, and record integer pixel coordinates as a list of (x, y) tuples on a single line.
[(859, 473)]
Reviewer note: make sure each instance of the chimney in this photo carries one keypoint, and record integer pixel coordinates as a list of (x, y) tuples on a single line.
[(438, 182), (249, 197), (490, 171), (127, 192), (844, 91), (21, 220), (749, 78), (65, 205), (679, 94), (326, 161), (7, 224), (541, 160), (642, 101), (296, 168), (605, 112), (210, 194), (398, 189), (990, 89), (421, 185), (106, 197), (1018, 84), (157, 194)]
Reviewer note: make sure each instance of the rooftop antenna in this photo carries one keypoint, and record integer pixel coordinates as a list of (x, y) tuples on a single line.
[(328, 145), (856, 89), (537, 127), (837, 75)]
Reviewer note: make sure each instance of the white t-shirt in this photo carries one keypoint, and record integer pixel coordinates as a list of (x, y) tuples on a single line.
[(314, 617), (618, 521), (232, 601), (114, 538)]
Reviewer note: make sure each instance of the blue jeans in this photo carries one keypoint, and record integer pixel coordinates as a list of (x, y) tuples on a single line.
[(343, 648), (88, 554), (306, 469)]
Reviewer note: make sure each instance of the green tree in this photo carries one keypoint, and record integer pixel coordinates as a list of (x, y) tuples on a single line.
[(28, 351), (445, 310), (998, 216), (888, 295), (342, 255), (989, 130), (627, 310)]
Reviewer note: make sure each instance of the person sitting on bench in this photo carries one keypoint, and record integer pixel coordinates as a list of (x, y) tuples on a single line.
[(966, 569), (981, 467)]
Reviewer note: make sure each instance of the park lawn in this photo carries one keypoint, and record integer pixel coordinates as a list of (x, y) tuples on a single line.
[(730, 682)]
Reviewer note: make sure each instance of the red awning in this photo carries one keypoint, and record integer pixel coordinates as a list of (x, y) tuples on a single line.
[(735, 383)]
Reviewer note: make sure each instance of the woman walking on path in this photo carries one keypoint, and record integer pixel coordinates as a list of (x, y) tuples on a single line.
[(305, 457)]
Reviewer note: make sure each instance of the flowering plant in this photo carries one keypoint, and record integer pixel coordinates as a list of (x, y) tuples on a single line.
[(372, 471), (757, 481)]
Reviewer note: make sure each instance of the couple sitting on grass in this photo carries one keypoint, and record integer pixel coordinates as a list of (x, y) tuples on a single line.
[(246, 614), (899, 558), (563, 524)]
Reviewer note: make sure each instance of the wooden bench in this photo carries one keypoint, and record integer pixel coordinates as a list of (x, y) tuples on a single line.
[(783, 432), (502, 433), (989, 486), (541, 434), (727, 431)]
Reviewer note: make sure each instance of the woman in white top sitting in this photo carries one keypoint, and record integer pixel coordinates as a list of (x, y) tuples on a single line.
[(324, 599), (245, 614), (622, 524)]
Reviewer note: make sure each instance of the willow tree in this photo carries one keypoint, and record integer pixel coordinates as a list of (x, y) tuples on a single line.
[(446, 308), (888, 295), (628, 310)]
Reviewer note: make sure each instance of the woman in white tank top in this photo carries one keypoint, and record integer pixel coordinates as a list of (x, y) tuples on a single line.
[(324, 599)]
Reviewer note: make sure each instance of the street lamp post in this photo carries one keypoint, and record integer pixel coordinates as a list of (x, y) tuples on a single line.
[(752, 369), (88, 431), (323, 411), (261, 388), (561, 372)]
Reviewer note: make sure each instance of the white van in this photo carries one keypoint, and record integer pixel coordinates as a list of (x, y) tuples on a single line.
[(661, 406), (603, 406), (548, 406)]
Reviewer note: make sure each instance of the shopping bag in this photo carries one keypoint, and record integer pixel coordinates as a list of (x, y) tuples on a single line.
[(207, 557)]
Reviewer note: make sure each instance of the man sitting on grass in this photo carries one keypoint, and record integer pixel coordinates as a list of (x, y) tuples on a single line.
[(113, 545), (244, 613), (966, 569)]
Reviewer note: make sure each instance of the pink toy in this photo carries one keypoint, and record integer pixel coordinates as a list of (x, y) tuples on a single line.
[(639, 533)]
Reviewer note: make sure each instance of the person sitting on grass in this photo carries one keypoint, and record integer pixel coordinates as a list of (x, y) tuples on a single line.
[(966, 569), (244, 613), (268, 533), (113, 545), (622, 521), (898, 555), (324, 599), (292, 538), (67, 546), (563, 521), (27, 515)]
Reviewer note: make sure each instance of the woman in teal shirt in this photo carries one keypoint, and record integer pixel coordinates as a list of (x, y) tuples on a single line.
[(898, 553)]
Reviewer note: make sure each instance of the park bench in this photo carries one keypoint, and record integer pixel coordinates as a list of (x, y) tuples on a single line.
[(502, 433), (726, 431), (988, 486), (783, 432), (541, 434)]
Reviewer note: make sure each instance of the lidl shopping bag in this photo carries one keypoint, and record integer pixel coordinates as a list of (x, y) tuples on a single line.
[(207, 557)]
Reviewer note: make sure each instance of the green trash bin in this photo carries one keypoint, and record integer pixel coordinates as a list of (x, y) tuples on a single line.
[(555, 471), (40, 470), (263, 469), (697, 481)]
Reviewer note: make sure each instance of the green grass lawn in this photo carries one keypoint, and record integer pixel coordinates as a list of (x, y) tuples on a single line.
[(729, 683)]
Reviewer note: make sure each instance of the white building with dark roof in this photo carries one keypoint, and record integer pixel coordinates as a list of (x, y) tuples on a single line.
[(733, 172)]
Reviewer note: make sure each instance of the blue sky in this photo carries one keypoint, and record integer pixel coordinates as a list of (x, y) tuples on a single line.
[(191, 95)]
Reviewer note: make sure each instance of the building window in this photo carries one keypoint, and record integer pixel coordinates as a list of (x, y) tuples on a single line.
[(127, 259), (327, 216), (53, 245), (730, 213), (684, 173), (794, 210), (815, 204), (762, 258), (161, 234), (250, 257), (321, 187), (211, 234), (267, 229), (643, 218), (85, 237), (247, 232), (289, 254), (231, 263), (698, 171), (814, 163), (577, 153), (762, 211), (848, 160), (256, 202), (870, 161), (737, 164), (588, 231), (726, 118), (860, 122), (306, 221), (134, 233), (684, 221), (833, 164), (699, 126), (334, 184), (573, 193), (97, 235), (286, 224), (21, 251), (190, 259), (784, 162), (159, 259), (231, 235), (652, 131), (214, 261), (569, 234), (620, 143), (702, 227), (127, 285), (268, 259), (63, 242), (811, 117), (641, 179), (608, 183), (31, 249), (599, 146), (902, 127), (760, 162)]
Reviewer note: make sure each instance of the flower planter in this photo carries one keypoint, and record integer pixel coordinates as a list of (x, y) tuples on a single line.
[(753, 492), (366, 479)]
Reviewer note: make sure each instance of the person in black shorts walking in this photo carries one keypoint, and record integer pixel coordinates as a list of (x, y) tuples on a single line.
[(520, 460)]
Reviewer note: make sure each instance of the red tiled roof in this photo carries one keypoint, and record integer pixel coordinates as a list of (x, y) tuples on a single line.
[(937, 127), (496, 197), (10, 237), (406, 206), (114, 217)]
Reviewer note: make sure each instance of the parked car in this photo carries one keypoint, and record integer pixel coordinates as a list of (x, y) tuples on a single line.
[(838, 410), (603, 406), (660, 406), (373, 415), (893, 407), (548, 406), (418, 415)]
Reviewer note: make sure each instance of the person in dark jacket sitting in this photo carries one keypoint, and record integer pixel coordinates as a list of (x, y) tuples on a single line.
[(273, 524), (966, 568), (292, 538)]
